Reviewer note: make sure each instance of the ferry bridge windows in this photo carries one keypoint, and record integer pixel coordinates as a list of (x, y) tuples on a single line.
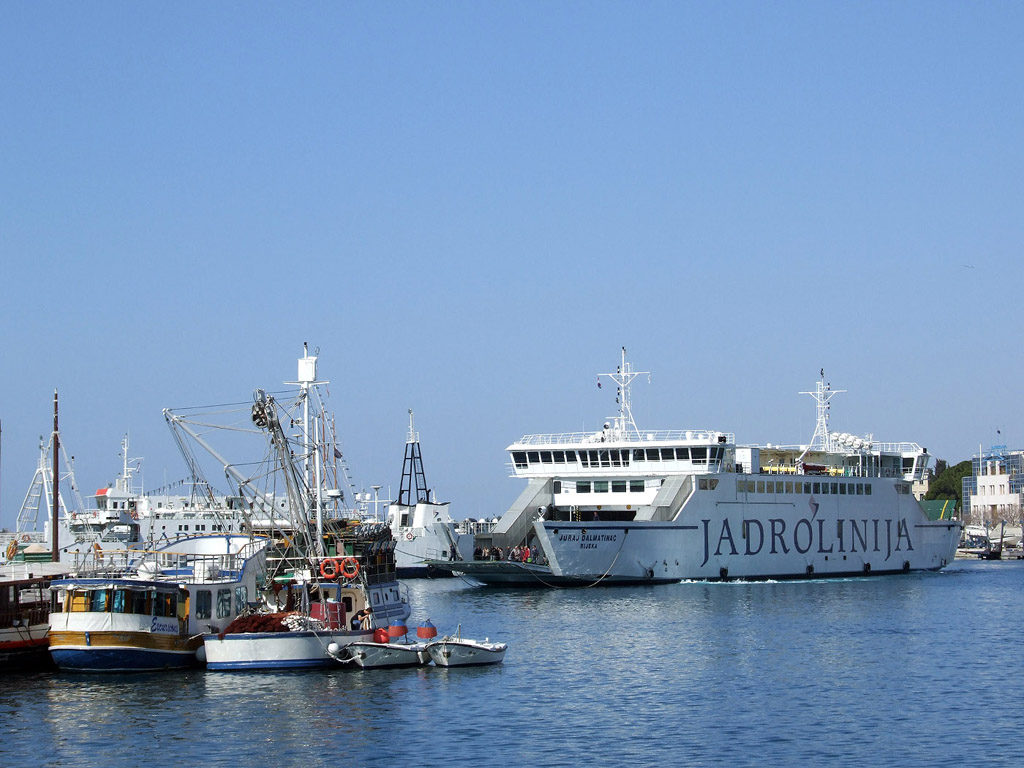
[(618, 486), (533, 457), (204, 604), (545, 457), (559, 457)]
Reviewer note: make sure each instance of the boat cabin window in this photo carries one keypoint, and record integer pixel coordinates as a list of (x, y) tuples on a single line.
[(545, 457), (583, 486), (241, 598), (638, 454), (867, 489), (204, 604), (698, 453), (141, 602), (817, 488), (559, 457), (556, 486), (600, 486), (618, 486), (533, 457), (165, 604), (98, 601), (652, 454), (636, 486), (223, 603), (570, 457)]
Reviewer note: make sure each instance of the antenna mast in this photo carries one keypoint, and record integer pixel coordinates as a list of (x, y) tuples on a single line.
[(623, 378), (822, 393)]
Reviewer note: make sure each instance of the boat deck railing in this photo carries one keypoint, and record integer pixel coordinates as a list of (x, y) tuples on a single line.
[(164, 565), (696, 436)]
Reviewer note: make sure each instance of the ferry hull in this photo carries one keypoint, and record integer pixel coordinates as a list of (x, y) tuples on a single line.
[(724, 534), (721, 535)]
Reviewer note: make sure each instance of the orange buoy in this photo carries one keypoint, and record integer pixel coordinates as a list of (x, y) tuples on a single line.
[(426, 630)]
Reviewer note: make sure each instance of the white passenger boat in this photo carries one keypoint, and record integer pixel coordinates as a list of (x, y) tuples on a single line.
[(457, 651), (140, 610), (628, 506), (423, 528)]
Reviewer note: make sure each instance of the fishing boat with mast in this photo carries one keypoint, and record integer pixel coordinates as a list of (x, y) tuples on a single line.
[(336, 575), (622, 505)]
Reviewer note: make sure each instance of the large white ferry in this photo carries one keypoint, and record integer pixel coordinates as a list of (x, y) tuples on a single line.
[(625, 506)]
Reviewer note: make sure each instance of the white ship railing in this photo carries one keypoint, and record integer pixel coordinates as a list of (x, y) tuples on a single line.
[(576, 438)]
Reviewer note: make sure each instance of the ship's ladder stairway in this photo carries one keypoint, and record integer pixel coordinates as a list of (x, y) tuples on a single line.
[(666, 505), (515, 524)]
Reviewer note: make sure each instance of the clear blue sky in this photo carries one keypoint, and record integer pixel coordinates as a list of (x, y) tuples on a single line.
[(469, 207)]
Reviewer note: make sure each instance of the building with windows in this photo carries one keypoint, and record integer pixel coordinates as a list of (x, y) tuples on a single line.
[(993, 493)]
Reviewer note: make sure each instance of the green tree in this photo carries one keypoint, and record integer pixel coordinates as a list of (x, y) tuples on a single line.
[(948, 484)]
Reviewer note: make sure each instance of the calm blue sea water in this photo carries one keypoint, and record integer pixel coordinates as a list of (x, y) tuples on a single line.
[(916, 670)]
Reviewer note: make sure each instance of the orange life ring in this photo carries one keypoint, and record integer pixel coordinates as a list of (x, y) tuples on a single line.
[(329, 568), (26, 538), (349, 568)]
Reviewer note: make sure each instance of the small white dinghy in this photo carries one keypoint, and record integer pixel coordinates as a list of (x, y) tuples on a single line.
[(390, 648), (457, 651)]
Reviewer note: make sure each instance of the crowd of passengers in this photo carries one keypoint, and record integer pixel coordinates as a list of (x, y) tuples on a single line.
[(518, 554)]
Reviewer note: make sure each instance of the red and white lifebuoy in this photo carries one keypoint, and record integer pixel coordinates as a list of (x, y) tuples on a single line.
[(329, 569), (349, 568), (408, 536)]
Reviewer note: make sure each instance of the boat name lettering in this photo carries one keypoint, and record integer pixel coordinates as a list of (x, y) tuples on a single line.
[(754, 537), (165, 626), (588, 540)]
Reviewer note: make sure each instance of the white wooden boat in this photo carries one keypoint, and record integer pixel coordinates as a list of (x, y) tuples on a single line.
[(373, 655), (457, 651)]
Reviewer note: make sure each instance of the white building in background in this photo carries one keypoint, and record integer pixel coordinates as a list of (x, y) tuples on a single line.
[(994, 493)]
